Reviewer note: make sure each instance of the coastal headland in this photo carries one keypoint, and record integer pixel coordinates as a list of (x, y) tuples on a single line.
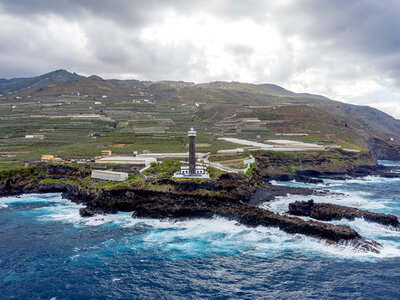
[(233, 196)]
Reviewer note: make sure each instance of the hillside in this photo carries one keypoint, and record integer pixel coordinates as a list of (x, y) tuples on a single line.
[(79, 116), (10, 86)]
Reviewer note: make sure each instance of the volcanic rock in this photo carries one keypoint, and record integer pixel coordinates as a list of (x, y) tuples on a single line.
[(329, 212)]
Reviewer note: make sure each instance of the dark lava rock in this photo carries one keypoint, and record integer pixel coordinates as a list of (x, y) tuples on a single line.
[(261, 195), (90, 212), (383, 150), (270, 192), (254, 216), (306, 179), (329, 212)]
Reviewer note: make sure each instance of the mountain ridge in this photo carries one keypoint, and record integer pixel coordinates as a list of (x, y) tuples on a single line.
[(16, 85)]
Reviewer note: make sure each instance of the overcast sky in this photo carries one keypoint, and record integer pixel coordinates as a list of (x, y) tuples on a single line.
[(346, 50)]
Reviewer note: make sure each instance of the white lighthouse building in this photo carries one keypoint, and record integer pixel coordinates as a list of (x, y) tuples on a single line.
[(192, 170)]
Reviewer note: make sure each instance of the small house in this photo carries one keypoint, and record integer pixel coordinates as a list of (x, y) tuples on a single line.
[(34, 136), (106, 153), (199, 173), (47, 158)]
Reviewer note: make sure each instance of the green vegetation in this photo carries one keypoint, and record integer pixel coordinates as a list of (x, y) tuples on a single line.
[(54, 181), (10, 173), (249, 172), (11, 165), (227, 157), (283, 156), (168, 166), (234, 161), (214, 173), (335, 160), (165, 169), (76, 121)]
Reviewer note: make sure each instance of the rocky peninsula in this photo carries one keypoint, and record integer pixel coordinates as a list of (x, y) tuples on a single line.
[(232, 196)]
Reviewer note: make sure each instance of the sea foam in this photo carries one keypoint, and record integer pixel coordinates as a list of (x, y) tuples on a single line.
[(222, 236), (217, 235)]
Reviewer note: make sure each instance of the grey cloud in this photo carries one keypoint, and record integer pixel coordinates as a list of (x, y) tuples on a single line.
[(341, 36), (371, 26), (122, 12), (239, 49), (112, 31)]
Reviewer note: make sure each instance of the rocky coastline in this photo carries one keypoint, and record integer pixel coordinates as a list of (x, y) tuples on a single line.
[(329, 212), (231, 196), (315, 167)]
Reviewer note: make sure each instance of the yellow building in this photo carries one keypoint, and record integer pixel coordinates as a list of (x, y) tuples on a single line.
[(47, 157)]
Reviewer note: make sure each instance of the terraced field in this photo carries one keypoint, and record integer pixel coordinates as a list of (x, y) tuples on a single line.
[(79, 118)]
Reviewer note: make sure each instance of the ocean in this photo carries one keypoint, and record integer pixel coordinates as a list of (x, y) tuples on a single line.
[(47, 251)]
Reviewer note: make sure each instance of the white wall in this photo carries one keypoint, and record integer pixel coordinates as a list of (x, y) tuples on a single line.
[(109, 175)]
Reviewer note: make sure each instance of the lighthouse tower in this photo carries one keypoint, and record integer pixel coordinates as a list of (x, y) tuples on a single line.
[(192, 151), (192, 171)]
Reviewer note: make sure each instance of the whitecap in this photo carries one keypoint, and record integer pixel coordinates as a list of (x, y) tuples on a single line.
[(281, 203), (220, 235), (371, 179), (369, 229), (29, 198), (390, 163)]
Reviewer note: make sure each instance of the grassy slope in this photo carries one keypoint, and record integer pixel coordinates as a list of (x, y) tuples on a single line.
[(278, 163), (164, 111)]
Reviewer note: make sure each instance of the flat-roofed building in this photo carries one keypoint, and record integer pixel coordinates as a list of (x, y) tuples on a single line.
[(171, 155), (47, 157), (34, 136), (126, 160), (106, 153), (109, 175)]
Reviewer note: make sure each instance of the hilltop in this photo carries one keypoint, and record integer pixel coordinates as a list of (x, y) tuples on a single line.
[(18, 85)]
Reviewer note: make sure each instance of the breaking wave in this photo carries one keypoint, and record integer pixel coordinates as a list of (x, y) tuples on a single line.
[(371, 193), (48, 251), (390, 163), (202, 237)]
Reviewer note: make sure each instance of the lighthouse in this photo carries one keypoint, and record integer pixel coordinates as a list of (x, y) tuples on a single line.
[(192, 151), (192, 171)]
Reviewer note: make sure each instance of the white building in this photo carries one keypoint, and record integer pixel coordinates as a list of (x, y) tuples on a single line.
[(184, 173), (127, 160), (109, 175), (34, 136), (170, 155)]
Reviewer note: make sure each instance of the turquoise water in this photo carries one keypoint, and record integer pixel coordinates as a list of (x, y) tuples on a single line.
[(48, 251)]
